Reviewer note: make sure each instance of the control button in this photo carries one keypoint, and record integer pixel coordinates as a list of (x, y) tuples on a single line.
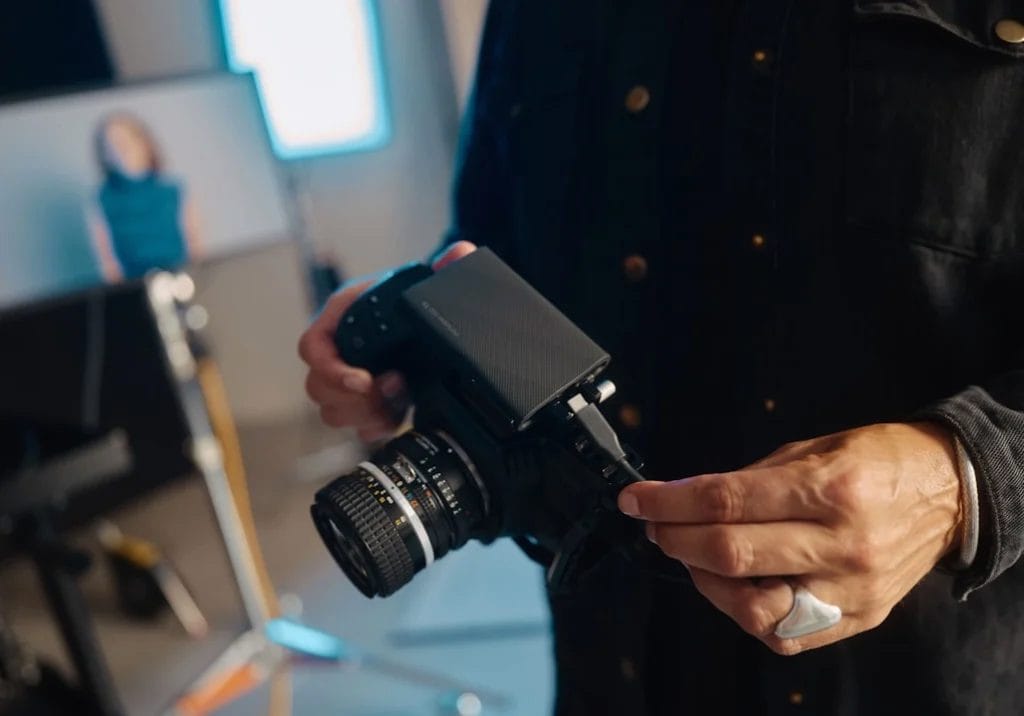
[(629, 416), (796, 698), (350, 320), (635, 268), (358, 342), (637, 99), (758, 241), (1010, 31), (769, 405), (382, 328), (374, 298)]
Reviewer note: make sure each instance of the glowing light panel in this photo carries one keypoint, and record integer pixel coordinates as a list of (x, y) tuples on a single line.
[(319, 71)]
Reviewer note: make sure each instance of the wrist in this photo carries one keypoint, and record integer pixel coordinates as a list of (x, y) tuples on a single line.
[(944, 487)]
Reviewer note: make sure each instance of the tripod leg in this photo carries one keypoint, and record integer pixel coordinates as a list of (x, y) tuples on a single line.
[(76, 625)]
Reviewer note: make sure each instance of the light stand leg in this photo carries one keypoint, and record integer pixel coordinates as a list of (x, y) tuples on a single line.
[(68, 605)]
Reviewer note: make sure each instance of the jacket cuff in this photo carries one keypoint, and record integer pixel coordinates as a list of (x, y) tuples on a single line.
[(993, 436)]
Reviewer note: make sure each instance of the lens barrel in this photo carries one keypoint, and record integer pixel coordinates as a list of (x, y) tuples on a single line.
[(416, 499)]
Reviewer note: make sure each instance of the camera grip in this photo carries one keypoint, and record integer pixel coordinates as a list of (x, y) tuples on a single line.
[(372, 332)]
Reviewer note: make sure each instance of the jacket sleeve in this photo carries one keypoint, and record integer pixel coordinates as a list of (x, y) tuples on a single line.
[(989, 420), (481, 197)]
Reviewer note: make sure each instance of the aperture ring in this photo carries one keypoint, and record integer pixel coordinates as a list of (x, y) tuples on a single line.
[(407, 509)]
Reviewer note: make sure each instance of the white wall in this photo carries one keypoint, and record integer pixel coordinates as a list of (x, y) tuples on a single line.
[(371, 210), (463, 21)]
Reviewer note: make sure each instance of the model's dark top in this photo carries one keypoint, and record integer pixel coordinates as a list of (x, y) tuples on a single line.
[(144, 216), (782, 218)]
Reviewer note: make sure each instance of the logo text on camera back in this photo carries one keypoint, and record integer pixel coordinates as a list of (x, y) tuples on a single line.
[(439, 318)]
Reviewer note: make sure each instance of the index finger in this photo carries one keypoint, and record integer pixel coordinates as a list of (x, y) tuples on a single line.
[(773, 494)]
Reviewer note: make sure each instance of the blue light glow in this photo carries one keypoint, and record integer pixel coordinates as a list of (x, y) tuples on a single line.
[(319, 69)]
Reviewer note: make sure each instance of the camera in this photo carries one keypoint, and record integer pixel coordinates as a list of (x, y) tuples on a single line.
[(507, 437)]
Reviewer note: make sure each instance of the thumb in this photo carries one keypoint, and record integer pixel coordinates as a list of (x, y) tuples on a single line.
[(454, 252)]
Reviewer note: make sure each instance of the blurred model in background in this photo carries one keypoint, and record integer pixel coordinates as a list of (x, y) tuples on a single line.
[(142, 219)]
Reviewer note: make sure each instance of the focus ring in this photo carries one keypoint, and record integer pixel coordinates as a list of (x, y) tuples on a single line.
[(388, 556)]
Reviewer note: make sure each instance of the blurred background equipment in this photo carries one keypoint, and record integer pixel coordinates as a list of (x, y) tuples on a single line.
[(46, 481), (147, 583), (52, 180), (320, 71), (31, 498)]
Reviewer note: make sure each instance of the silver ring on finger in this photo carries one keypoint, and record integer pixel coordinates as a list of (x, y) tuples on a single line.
[(808, 615)]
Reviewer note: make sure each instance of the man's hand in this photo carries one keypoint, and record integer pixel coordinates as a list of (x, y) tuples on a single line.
[(858, 518), (350, 396)]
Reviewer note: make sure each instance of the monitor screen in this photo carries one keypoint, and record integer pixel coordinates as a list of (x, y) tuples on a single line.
[(105, 184)]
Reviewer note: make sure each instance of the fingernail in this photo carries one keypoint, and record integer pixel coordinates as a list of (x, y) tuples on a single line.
[(357, 382), (391, 385), (629, 505), (649, 531)]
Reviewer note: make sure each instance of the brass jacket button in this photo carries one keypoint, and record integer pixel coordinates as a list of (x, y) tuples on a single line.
[(1010, 31), (635, 268), (637, 99), (629, 416)]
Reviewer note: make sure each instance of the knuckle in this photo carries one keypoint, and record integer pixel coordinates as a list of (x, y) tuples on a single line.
[(305, 346), (865, 555), (753, 618), (722, 500), (333, 418), (732, 556), (876, 618), (311, 387), (849, 492)]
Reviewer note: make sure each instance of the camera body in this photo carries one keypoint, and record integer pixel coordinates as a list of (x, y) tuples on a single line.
[(504, 387)]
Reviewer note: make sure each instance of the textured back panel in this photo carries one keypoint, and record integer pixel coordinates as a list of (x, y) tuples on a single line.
[(522, 347)]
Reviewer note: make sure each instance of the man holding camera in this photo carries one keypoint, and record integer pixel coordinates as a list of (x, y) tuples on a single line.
[(790, 223)]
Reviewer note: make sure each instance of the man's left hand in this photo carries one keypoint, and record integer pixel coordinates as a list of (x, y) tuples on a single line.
[(857, 518)]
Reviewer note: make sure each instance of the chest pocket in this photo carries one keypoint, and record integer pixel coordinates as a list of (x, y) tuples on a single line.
[(936, 123)]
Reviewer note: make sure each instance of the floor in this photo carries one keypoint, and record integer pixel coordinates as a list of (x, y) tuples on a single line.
[(475, 621)]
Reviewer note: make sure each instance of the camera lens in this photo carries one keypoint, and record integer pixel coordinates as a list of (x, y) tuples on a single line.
[(416, 499)]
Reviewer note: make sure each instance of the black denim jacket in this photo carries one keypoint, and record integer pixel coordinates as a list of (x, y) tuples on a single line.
[(783, 218)]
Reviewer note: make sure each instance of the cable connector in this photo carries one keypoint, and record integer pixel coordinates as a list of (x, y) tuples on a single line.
[(596, 426)]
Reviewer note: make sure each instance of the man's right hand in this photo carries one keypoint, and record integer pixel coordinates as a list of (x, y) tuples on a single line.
[(350, 396)]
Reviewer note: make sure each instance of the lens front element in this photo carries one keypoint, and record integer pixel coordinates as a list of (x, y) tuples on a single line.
[(412, 502)]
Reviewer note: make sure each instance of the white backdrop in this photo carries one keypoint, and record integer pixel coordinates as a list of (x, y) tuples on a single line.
[(212, 137)]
